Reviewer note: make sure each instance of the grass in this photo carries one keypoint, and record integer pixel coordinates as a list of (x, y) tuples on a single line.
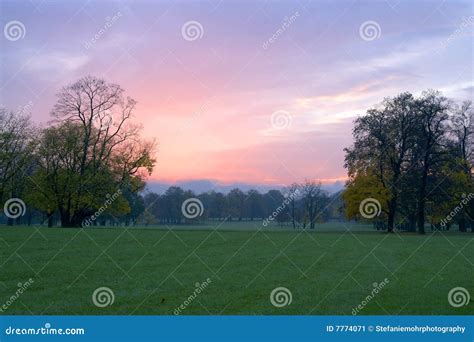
[(273, 227), (154, 271)]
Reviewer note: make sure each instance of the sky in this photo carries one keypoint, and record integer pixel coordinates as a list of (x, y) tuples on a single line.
[(254, 92)]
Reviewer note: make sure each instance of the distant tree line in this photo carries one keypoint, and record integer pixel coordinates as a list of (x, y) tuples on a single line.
[(414, 156), (299, 205)]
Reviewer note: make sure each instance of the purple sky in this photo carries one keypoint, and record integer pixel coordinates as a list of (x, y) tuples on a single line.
[(209, 99)]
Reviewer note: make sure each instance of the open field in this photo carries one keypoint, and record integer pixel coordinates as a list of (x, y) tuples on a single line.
[(155, 271), (272, 227)]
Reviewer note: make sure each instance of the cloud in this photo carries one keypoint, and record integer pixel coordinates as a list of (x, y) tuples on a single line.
[(57, 62)]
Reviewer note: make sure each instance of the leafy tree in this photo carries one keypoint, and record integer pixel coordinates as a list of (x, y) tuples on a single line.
[(431, 123), (16, 152), (236, 202), (406, 147), (362, 187), (383, 141), (92, 150), (253, 204)]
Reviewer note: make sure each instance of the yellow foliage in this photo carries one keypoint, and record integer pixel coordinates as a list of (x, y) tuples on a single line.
[(362, 187)]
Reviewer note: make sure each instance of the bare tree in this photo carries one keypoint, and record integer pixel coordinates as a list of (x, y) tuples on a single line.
[(463, 129), (100, 149), (291, 193), (311, 193), (16, 148)]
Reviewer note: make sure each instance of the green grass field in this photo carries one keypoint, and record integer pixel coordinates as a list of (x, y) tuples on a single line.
[(154, 271)]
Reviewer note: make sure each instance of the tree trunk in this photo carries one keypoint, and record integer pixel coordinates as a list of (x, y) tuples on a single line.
[(412, 222), (50, 219), (65, 218), (392, 205), (462, 223), (421, 204)]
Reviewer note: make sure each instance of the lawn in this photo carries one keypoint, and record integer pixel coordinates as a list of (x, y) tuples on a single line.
[(155, 271)]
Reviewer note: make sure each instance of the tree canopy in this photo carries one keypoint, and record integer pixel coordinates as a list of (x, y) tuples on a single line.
[(414, 156)]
